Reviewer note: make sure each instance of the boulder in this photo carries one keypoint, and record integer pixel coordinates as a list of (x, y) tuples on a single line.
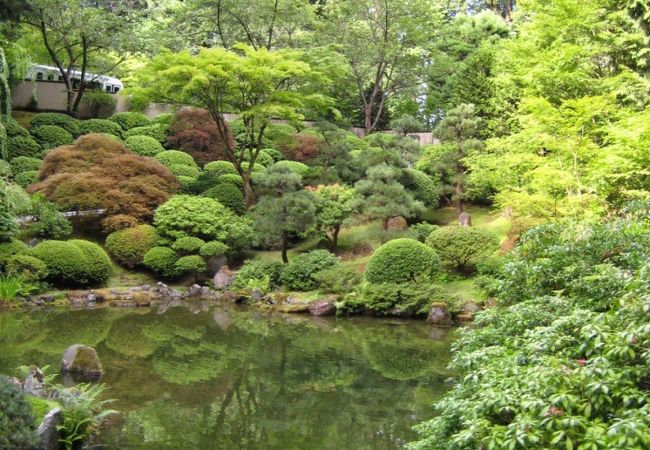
[(257, 295), (34, 382), (292, 308), (471, 308), (193, 291), (223, 278), (439, 315), (396, 223), (322, 307), (82, 362), (464, 219), (295, 300), (48, 433), (362, 249)]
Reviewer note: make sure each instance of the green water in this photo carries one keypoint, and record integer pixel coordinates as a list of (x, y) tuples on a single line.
[(208, 377)]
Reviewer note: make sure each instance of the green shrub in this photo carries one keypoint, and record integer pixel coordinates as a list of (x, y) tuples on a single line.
[(231, 178), (11, 248), (257, 167), (276, 155), (23, 146), (17, 424), (338, 280), (3, 141), (300, 273), (161, 260), (155, 131), (8, 227), (21, 164), (64, 121), (191, 264), (186, 183), (128, 120), (461, 247), (422, 230), (99, 102), (229, 195), (423, 187), (176, 157), (181, 170), (24, 179), (163, 119), (74, 262), (257, 270), (188, 245), (402, 261), (5, 169), (264, 159), (143, 145), (213, 248), (220, 168), (202, 183), (50, 222), (294, 166), (100, 126), (128, 246), (14, 129), (51, 136), (29, 268)]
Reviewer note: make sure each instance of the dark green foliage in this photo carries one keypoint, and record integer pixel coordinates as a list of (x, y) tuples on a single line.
[(64, 121), (155, 131), (15, 129), (3, 142), (8, 227), (5, 169), (161, 260), (300, 273), (188, 245), (213, 248), (50, 222), (75, 262), (9, 249), (402, 261), (220, 168), (17, 424), (143, 145), (21, 164), (129, 120), (423, 187), (423, 230), (29, 268), (338, 280), (99, 103), (191, 264), (128, 246), (51, 136), (23, 146), (100, 126), (202, 183), (231, 178), (460, 247), (257, 270), (275, 154), (26, 178), (229, 195)]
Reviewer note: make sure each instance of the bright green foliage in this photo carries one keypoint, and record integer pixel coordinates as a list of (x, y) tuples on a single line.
[(220, 168), (155, 131), (422, 186), (128, 246), (29, 268), (8, 227), (334, 206), (143, 145), (191, 264), (176, 157), (422, 230), (5, 169), (75, 262), (257, 167), (9, 249), (23, 146), (100, 126), (188, 245), (51, 136), (294, 166), (338, 280), (402, 261), (181, 170), (258, 270), (17, 424), (24, 163), (26, 178), (264, 158), (300, 273), (50, 223), (15, 129), (161, 260), (229, 195), (164, 119), (213, 248), (561, 363), (64, 121), (231, 178), (129, 120), (460, 247)]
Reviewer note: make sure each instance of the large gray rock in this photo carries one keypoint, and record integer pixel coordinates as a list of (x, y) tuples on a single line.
[(439, 315), (223, 278), (193, 291), (322, 307), (34, 382), (464, 219), (82, 362), (47, 430)]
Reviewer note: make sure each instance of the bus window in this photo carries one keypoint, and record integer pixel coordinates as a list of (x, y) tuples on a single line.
[(39, 75), (116, 89), (109, 88)]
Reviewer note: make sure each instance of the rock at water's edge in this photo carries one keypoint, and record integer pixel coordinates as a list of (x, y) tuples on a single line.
[(47, 430), (439, 315), (322, 307), (81, 360)]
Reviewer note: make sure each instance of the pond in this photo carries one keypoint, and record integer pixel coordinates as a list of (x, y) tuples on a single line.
[(208, 377)]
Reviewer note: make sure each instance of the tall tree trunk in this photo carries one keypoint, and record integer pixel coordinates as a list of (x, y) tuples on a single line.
[(385, 223), (335, 238), (249, 195), (459, 181), (285, 246)]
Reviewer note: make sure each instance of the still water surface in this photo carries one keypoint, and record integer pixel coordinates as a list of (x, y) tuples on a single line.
[(227, 378)]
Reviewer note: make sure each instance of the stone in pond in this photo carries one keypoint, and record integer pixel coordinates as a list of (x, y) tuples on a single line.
[(439, 314), (82, 362), (323, 307)]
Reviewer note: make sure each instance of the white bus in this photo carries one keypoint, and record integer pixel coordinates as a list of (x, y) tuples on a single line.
[(104, 83)]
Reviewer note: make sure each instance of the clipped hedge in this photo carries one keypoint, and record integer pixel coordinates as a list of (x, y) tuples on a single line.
[(257, 167), (172, 157), (26, 178), (100, 126), (229, 195), (423, 187), (74, 262), (129, 120), (294, 166), (64, 121), (52, 136), (231, 178), (191, 264), (300, 273), (14, 129), (462, 247), (402, 261), (155, 131), (128, 246), (23, 146), (181, 170), (21, 164), (213, 248), (188, 244), (161, 260), (143, 145), (219, 168), (27, 267), (5, 169), (9, 249)]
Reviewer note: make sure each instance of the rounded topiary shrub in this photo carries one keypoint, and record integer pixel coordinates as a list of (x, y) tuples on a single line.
[(100, 126), (128, 120), (264, 159), (294, 166), (161, 260), (176, 157), (128, 246), (6, 169), (143, 145), (299, 273), (213, 248), (14, 129), (231, 178), (229, 195), (51, 136), (220, 168), (276, 155), (64, 121), (11, 248), (191, 264), (188, 244), (21, 164), (23, 146), (26, 178), (202, 183), (462, 247), (27, 267), (74, 262), (402, 261), (155, 131), (17, 423), (163, 119), (181, 170), (257, 167)]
